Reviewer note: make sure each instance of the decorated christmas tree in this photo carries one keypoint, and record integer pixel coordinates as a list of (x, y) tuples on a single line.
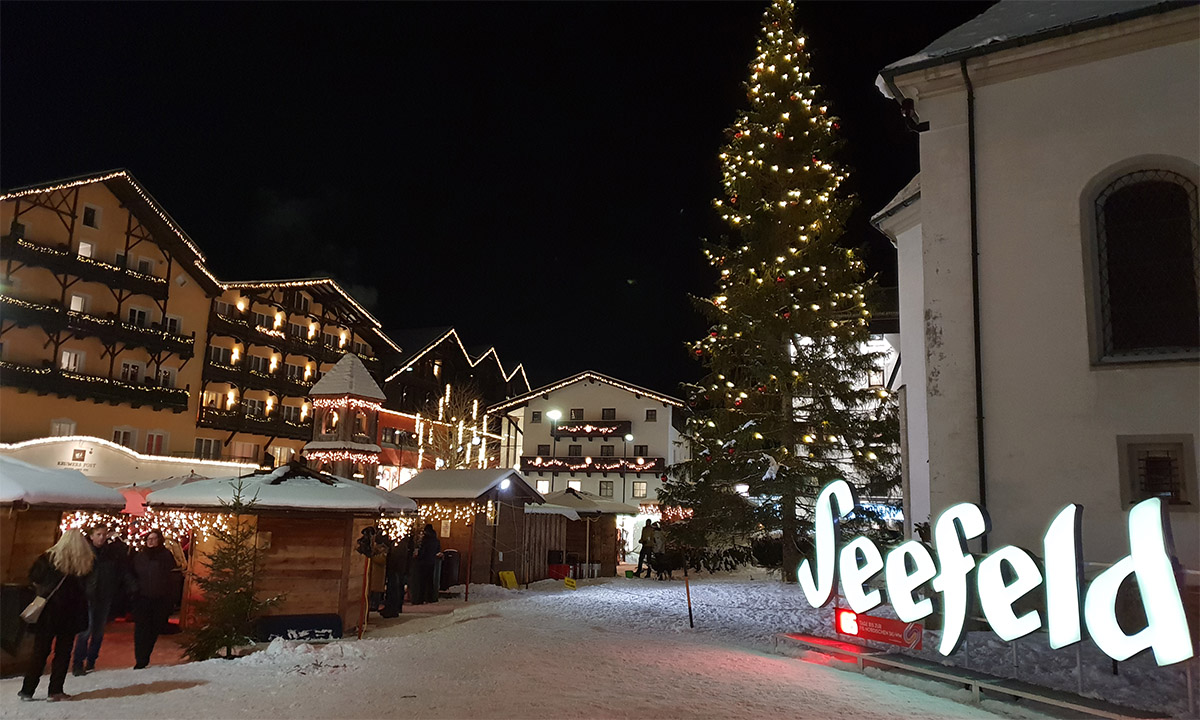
[(786, 404), (229, 609)]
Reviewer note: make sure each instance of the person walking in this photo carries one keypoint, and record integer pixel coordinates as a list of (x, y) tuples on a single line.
[(152, 599), (647, 541), (398, 558), (58, 575), (107, 579), (427, 557), (378, 575)]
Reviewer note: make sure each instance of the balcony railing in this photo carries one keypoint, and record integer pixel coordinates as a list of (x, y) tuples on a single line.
[(53, 381), (592, 428), (237, 420), (245, 330), (54, 318), (61, 260), (592, 464), (247, 379)]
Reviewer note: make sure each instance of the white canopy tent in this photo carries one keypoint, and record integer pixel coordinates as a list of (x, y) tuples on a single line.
[(21, 482)]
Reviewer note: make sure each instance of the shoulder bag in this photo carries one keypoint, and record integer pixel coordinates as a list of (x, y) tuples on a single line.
[(33, 610)]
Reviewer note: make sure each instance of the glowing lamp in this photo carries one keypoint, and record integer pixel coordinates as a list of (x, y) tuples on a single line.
[(554, 415), (505, 484), (628, 437)]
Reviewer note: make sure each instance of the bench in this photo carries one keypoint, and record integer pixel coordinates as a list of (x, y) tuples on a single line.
[(976, 681)]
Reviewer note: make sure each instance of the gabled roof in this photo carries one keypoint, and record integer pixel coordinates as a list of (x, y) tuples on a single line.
[(460, 484), (348, 377), (423, 341), (1012, 23), (586, 376), (149, 212), (587, 503), (289, 487), (908, 195), (21, 482)]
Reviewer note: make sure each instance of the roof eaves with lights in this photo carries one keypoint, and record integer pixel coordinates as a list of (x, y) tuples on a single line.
[(472, 361), (582, 377)]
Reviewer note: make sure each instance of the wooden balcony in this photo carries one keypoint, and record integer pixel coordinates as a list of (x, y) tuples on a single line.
[(244, 330), (242, 377), (237, 420), (592, 429), (109, 330), (53, 381), (62, 261), (591, 464)]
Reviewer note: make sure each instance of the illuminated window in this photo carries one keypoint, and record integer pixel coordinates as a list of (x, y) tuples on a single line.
[(606, 488), (639, 489), (71, 361), (62, 427), (535, 417), (543, 450), (608, 413), (608, 450), (329, 423), (651, 416), (91, 216), (574, 484), (543, 486), (85, 249), (576, 413), (79, 303), (283, 455)]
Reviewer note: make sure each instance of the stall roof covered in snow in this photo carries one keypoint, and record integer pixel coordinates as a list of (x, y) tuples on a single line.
[(460, 484), (589, 504), (549, 509), (1018, 22), (908, 195), (348, 377), (290, 487), (21, 482)]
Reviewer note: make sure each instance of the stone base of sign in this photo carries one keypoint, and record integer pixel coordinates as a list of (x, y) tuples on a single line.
[(978, 683)]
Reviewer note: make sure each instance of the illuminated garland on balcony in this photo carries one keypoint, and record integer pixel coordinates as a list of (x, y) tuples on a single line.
[(347, 402), (323, 456), (82, 318), (177, 524), (436, 512), (586, 429), (587, 464), (94, 379)]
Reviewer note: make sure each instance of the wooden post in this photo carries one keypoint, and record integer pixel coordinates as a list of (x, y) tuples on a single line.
[(688, 589), (362, 622)]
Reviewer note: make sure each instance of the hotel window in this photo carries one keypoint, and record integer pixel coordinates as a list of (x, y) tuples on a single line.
[(119, 259), (608, 414), (220, 355), (246, 451), (606, 488), (296, 330), (283, 455), (131, 372), (295, 301), (91, 216), (294, 372), (145, 266), (85, 249), (264, 320), (166, 377), (173, 325), (62, 427), (156, 442), (254, 408), (138, 317), (124, 436), (543, 450), (651, 416), (290, 413), (640, 450), (576, 413), (574, 484), (258, 364), (535, 417), (221, 307), (71, 361), (608, 450), (639, 489), (17, 229), (361, 348), (330, 340), (1158, 466), (1147, 266), (543, 486), (575, 451), (208, 449), (78, 303)]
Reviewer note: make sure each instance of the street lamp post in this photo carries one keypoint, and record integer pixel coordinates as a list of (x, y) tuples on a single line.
[(554, 416), (624, 461)]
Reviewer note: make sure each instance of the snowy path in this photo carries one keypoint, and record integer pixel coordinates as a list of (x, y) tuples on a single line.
[(619, 649)]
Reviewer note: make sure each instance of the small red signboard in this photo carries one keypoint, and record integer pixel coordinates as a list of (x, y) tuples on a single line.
[(880, 629)]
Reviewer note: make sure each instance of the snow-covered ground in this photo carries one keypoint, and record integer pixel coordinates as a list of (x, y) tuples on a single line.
[(618, 648)]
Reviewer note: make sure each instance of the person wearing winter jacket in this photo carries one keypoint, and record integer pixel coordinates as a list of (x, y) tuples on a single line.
[(398, 558), (58, 575), (647, 541), (427, 557), (153, 600), (107, 579)]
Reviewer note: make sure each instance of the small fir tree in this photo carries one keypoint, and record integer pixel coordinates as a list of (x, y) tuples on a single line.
[(229, 609), (786, 405)]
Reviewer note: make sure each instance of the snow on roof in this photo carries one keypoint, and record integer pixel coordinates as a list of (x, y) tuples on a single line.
[(907, 195), (22, 482), (586, 502), (585, 376), (348, 377), (459, 484), (548, 509), (287, 488), (1015, 22), (342, 445)]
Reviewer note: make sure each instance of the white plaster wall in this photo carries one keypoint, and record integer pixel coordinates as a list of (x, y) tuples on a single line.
[(912, 370), (1052, 417)]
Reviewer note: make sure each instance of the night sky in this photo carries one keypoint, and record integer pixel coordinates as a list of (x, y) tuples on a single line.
[(537, 175)]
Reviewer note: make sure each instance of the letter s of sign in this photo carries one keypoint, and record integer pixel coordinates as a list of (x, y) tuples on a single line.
[(818, 583), (958, 524), (1149, 561)]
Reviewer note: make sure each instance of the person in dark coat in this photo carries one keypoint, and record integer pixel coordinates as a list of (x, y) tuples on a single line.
[(398, 558), (647, 541), (58, 575), (153, 597), (107, 579), (427, 557)]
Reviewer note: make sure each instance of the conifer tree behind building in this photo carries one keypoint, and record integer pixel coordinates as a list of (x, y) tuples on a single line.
[(785, 406)]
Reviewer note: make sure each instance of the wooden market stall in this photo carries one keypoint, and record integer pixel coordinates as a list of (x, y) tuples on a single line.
[(591, 543), (481, 515), (33, 500), (308, 524)]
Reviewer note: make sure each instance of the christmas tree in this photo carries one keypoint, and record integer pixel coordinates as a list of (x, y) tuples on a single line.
[(786, 405), (229, 609)]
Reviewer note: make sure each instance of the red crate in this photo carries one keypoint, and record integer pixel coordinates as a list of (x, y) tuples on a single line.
[(558, 572)]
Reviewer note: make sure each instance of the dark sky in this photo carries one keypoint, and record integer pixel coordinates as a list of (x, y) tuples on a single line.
[(537, 175)]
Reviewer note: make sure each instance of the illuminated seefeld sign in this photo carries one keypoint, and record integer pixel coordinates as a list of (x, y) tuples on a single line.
[(1005, 576)]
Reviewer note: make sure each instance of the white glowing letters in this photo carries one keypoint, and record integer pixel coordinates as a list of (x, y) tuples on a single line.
[(1004, 577)]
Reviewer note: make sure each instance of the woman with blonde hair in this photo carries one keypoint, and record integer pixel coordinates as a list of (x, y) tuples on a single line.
[(58, 575)]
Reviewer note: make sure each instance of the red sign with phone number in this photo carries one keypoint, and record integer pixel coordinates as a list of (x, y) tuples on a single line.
[(870, 627)]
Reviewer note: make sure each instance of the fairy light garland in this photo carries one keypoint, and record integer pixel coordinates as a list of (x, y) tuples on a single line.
[(347, 402), (324, 456), (178, 524), (588, 464)]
